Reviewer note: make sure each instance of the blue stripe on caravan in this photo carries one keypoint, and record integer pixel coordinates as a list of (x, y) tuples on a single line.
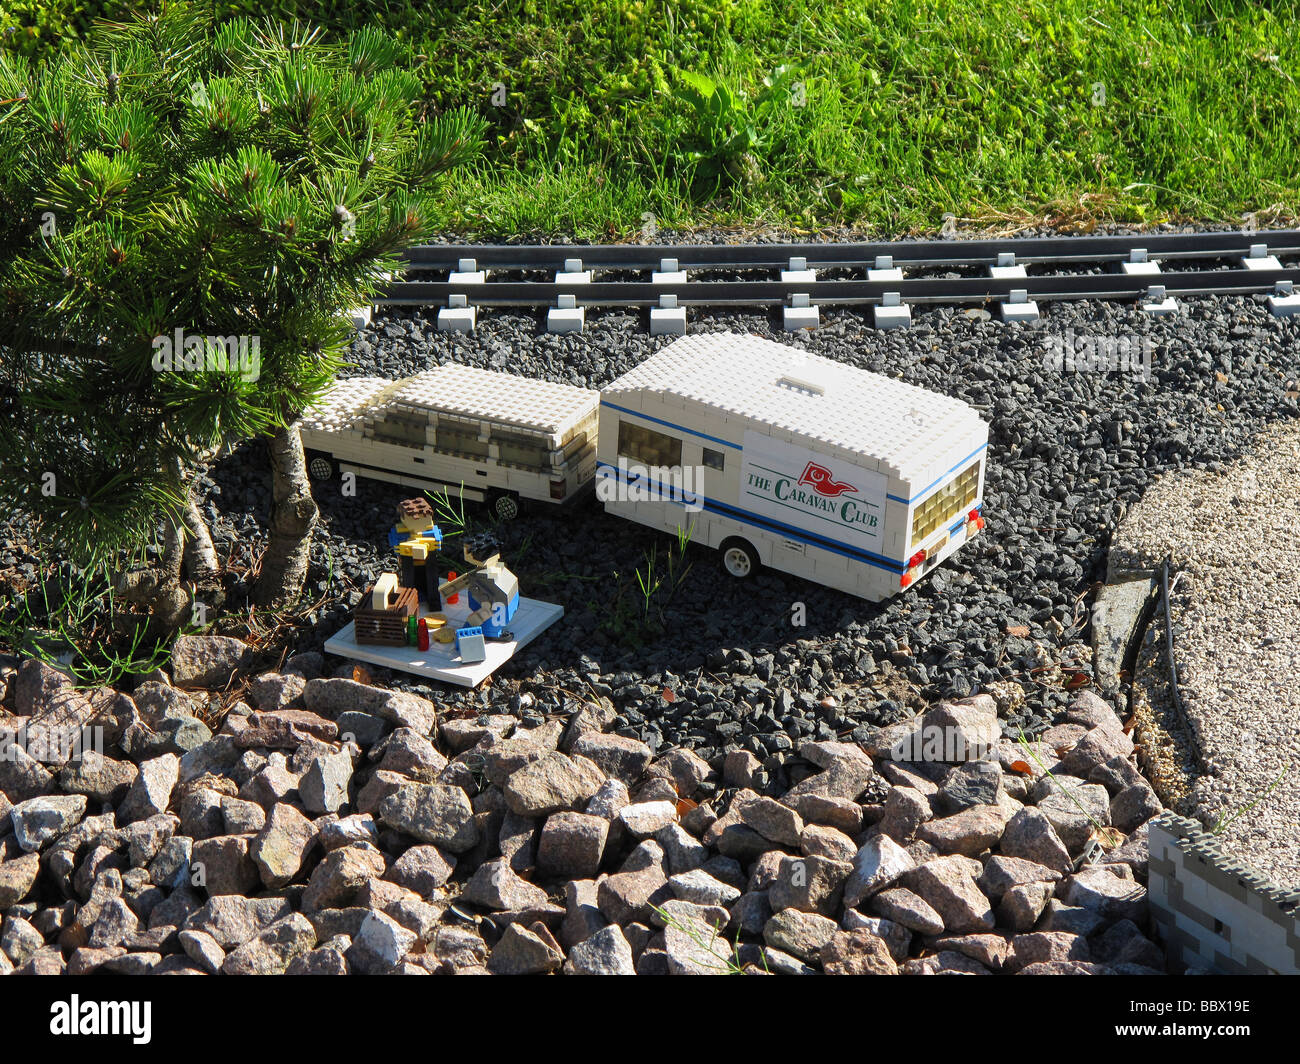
[(924, 491), (670, 425), (789, 531)]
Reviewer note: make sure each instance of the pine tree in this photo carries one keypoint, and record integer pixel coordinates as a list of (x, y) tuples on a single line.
[(174, 181)]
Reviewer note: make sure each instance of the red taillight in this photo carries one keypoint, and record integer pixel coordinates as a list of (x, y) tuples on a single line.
[(905, 580), (974, 518), (974, 515), (916, 559)]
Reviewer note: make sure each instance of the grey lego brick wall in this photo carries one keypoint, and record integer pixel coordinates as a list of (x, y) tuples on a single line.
[(1211, 911)]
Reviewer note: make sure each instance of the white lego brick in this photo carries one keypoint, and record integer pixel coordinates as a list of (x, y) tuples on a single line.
[(1027, 311), (457, 319), (1019, 307), (1261, 262), (567, 317), (669, 272), (573, 273), (892, 313), (1284, 306), (360, 317), (668, 319), (798, 276), (1010, 273), (1138, 264), (889, 274), (800, 314), (1157, 304), (467, 272)]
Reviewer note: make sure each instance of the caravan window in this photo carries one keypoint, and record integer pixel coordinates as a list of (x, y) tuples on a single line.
[(946, 503), (713, 459), (460, 437), (403, 429), (647, 446)]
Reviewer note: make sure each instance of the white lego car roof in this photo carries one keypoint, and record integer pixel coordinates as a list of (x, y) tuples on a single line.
[(909, 429), (458, 391)]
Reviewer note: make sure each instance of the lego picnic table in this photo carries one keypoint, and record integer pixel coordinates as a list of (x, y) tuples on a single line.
[(442, 661)]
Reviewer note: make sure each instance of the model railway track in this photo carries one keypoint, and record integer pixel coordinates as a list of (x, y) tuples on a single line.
[(1015, 273), (834, 293), (933, 254)]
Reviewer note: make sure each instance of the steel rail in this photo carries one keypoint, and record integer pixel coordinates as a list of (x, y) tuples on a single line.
[(1109, 286), (905, 253)]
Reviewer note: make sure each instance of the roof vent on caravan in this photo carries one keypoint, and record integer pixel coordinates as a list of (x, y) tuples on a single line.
[(801, 384)]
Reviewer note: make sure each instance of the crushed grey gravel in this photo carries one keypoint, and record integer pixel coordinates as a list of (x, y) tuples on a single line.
[(1236, 614)]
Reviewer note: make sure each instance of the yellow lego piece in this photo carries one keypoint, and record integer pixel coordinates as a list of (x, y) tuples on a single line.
[(415, 548)]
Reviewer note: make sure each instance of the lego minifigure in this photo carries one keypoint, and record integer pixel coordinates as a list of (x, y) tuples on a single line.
[(418, 540)]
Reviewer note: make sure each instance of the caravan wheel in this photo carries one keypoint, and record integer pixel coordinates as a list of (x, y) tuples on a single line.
[(505, 506), (320, 466), (739, 558)]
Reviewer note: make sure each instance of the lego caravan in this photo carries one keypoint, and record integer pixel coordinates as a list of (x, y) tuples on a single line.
[(481, 435), (779, 458)]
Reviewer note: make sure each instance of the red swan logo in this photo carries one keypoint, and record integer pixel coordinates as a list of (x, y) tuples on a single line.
[(820, 480)]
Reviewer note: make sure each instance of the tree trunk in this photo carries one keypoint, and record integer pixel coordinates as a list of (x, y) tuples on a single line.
[(201, 563), (293, 516), (160, 588), (200, 560)]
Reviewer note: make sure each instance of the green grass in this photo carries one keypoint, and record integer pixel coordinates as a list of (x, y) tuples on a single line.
[(986, 109)]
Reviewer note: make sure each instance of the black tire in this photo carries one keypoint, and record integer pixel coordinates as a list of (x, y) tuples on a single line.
[(739, 558), (321, 467), (504, 505)]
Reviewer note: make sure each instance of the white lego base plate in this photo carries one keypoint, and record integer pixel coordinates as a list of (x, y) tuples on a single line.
[(440, 661)]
